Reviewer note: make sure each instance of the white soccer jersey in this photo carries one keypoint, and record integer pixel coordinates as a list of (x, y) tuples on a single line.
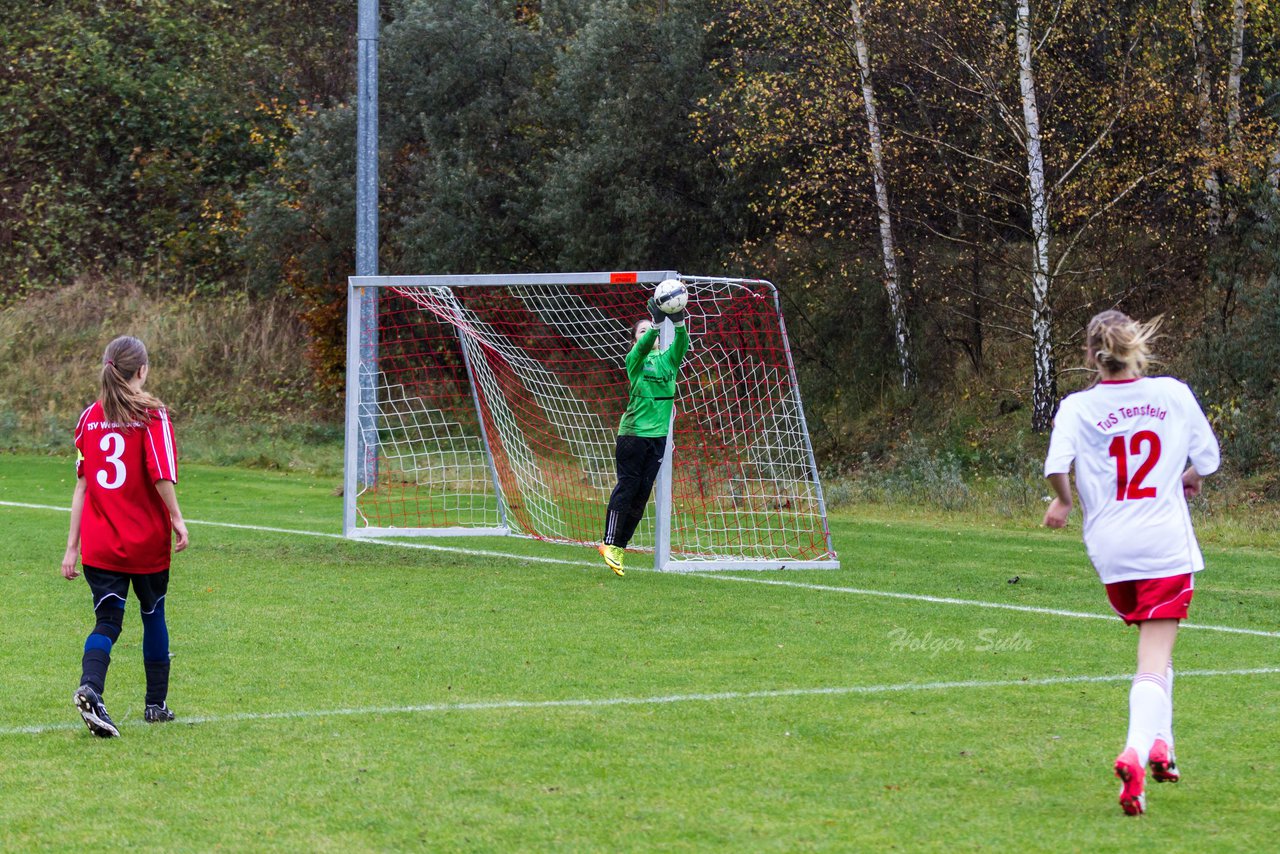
[(1130, 441)]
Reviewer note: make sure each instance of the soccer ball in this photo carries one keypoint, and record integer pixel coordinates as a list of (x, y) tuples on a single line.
[(671, 296)]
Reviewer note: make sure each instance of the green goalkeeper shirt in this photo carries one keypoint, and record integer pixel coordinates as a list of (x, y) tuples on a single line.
[(652, 374)]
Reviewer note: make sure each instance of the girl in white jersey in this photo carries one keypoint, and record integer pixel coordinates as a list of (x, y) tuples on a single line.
[(1131, 438)]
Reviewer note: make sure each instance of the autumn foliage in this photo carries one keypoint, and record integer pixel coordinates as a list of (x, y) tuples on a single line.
[(203, 146)]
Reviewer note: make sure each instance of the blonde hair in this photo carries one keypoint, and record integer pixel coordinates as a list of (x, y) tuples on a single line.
[(1118, 343), (121, 361)]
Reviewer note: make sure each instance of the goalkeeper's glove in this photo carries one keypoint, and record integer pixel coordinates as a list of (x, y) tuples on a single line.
[(676, 317), (656, 313)]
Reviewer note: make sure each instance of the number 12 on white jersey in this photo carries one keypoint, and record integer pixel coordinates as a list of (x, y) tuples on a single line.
[(1132, 489)]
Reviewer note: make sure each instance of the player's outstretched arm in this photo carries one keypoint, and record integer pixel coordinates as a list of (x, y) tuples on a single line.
[(1060, 506), (639, 350), (170, 498), (72, 554)]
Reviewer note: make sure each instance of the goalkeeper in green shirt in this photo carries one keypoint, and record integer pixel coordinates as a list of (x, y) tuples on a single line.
[(642, 434)]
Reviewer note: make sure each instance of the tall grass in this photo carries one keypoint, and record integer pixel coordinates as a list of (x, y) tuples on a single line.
[(231, 368)]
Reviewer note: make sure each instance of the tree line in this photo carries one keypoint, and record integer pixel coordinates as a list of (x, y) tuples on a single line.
[(943, 191)]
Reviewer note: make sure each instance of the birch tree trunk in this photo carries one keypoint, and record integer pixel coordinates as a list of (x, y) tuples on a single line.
[(1233, 89), (1044, 393), (1204, 123), (892, 283), (1233, 76)]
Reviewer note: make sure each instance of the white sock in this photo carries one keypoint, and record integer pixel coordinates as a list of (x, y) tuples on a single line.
[(1166, 727), (1149, 708)]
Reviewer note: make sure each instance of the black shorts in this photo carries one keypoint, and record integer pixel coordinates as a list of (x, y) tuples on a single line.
[(639, 457), (107, 584)]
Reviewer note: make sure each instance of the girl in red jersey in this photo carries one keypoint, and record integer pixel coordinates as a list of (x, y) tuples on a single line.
[(124, 516), (1131, 438)]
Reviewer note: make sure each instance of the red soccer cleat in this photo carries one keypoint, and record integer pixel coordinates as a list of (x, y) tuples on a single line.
[(1132, 799), (1163, 767)]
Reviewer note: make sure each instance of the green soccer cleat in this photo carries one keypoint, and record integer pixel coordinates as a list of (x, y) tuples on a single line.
[(613, 557)]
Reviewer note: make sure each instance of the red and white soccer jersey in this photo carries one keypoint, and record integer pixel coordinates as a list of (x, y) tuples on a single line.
[(125, 525), (1130, 441)]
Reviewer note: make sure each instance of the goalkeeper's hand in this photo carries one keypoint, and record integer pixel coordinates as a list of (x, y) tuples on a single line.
[(676, 317), (656, 313)]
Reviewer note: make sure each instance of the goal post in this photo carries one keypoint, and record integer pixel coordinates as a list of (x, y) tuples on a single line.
[(489, 405)]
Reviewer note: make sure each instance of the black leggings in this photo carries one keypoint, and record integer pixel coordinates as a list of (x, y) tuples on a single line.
[(637, 459)]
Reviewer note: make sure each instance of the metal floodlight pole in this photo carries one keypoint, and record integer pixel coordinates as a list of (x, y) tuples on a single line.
[(367, 140), (367, 228)]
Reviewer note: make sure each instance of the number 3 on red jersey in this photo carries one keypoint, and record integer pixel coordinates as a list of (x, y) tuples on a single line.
[(1133, 489), (112, 444)]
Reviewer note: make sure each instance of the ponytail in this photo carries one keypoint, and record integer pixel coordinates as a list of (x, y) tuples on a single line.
[(1118, 343), (121, 361)]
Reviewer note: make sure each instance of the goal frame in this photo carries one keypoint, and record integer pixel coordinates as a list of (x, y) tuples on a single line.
[(360, 459)]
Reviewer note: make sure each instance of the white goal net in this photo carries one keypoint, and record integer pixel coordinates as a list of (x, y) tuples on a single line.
[(490, 405)]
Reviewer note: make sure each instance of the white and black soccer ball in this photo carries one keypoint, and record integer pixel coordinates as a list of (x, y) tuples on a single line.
[(671, 295)]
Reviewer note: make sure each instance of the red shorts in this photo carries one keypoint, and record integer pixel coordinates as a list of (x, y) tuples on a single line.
[(1152, 598)]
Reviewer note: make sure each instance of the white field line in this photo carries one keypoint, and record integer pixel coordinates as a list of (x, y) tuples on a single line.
[(976, 603), (661, 700), (853, 591), (378, 541)]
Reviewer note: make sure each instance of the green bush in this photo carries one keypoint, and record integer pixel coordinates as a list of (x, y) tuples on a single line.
[(131, 135), (1233, 362)]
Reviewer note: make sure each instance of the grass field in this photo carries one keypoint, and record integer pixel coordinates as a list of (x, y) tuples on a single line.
[(336, 695)]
